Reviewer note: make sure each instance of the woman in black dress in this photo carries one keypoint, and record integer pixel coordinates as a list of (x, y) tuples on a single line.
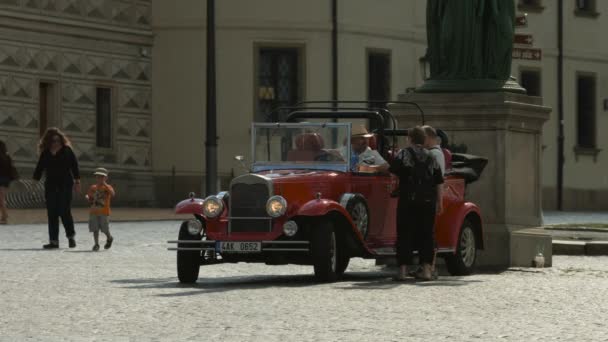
[(8, 173), (59, 163)]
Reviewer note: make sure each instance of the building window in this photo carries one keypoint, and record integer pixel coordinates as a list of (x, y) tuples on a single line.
[(278, 82), (104, 117), (585, 89), (531, 81), (585, 8), (378, 79)]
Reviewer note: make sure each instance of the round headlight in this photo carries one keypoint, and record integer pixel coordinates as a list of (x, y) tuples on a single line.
[(276, 206), (212, 207), (194, 227), (290, 228)]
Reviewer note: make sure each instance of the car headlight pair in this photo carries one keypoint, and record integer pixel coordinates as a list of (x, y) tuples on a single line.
[(212, 207), (276, 206)]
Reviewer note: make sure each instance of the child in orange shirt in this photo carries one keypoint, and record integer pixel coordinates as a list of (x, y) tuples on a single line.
[(99, 196)]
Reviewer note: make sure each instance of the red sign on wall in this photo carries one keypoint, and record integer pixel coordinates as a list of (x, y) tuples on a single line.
[(528, 54), (523, 39), (521, 20)]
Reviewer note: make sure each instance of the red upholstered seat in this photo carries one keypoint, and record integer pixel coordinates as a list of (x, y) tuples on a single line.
[(308, 146), (447, 156)]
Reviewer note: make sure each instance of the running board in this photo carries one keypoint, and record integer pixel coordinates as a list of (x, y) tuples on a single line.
[(391, 251)]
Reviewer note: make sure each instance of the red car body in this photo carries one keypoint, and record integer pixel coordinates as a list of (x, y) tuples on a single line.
[(355, 212)]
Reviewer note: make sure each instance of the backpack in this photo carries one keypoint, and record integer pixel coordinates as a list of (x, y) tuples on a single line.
[(420, 182)]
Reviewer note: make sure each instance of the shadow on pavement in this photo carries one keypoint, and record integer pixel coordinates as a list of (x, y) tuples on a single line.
[(40, 249), (230, 283)]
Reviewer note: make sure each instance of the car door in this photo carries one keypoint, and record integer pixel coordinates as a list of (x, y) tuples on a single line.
[(376, 188)]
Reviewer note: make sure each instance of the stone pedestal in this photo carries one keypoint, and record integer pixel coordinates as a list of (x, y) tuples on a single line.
[(505, 128)]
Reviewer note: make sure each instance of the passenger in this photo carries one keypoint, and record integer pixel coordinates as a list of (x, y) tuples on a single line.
[(363, 158), (433, 144), (420, 189), (447, 154)]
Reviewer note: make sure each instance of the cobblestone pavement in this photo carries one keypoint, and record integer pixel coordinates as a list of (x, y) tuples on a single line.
[(130, 292)]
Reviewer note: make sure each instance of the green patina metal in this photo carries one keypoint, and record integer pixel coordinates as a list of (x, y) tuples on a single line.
[(470, 43)]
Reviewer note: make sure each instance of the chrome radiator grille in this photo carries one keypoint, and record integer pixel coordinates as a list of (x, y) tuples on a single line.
[(248, 208)]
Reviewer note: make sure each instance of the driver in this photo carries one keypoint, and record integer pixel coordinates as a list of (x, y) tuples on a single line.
[(363, 158)]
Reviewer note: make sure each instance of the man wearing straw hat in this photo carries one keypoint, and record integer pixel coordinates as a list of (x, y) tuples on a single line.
[(362, 157)]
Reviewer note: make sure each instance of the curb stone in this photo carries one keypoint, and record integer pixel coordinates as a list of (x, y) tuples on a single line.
[(567, 247)]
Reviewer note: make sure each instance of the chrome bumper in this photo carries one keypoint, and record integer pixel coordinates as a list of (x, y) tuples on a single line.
[(267, 246)]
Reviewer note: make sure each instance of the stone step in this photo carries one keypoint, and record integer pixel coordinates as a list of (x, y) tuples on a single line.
[(569, 247)]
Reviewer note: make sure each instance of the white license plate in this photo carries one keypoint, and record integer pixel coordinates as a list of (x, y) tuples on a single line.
[(240, 247)]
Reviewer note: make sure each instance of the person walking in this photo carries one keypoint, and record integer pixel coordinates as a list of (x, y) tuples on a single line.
[(99, 196), (8, 173), (420, 189), (58, 162)]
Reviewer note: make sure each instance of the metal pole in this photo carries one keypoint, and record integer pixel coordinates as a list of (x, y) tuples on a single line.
[(560, 104), (334, 51), (334, 61), (211, 119)]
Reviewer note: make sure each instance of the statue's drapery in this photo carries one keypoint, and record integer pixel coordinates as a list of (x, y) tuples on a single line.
[(470, 39)]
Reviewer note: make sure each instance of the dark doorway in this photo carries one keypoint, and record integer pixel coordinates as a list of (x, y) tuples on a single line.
[(46, 96), (104, 117), (278, 82)]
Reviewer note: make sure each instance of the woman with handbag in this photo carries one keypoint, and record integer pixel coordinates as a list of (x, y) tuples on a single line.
[(58, 162), (8, 173)]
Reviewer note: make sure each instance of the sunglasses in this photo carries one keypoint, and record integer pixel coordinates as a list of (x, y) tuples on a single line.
[(56, 140)]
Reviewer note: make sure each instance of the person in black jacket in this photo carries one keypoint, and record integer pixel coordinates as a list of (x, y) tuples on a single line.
[(420, 193), (58, 162), (8, 173)]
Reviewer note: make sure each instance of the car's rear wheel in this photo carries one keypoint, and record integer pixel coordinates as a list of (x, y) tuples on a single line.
[(188, 262), (463, 261), (324, 250)]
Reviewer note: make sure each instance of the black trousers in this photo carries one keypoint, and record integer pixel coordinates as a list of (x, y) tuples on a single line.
[(59, 204), (415, 231)]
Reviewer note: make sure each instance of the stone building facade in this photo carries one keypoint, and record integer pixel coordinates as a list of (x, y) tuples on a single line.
[(85, 67)]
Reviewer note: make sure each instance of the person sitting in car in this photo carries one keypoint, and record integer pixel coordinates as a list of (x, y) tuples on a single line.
[(362, 157)]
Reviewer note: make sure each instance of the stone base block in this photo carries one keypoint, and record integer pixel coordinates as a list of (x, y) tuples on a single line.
[(526, 244)]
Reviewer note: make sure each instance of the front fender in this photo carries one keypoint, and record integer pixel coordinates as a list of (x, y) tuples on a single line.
[(322, 207), (190, 206)]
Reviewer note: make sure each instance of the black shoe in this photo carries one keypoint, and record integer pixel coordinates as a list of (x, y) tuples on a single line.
[(95, 248), (51, 246), (108, 243), (72, 243)]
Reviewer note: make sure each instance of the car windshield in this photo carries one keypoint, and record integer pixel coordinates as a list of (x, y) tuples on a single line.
[(301, 146)]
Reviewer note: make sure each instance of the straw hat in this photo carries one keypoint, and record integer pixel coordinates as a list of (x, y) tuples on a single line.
[(361, 131), (100, 171)]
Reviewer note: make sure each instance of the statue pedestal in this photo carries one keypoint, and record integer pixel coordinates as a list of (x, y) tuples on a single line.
[(505, 128)]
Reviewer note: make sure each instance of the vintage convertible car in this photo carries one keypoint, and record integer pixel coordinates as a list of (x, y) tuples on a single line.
[(301, 204)]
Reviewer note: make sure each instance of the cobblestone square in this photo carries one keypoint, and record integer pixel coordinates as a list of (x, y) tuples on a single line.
[(131, 292)]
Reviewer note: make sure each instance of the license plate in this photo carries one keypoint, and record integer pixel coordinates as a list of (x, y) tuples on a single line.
[(240, 247)]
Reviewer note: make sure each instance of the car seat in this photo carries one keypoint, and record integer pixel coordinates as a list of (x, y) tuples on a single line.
[(308, 146)]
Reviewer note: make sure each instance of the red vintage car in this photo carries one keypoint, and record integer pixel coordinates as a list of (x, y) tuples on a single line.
[(301, 204)]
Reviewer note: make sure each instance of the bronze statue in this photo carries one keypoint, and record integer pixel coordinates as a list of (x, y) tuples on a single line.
[(470, 39)]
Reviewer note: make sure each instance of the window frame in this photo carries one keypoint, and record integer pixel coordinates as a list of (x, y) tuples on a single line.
[(300, 49), (578, 148), (589, 11)]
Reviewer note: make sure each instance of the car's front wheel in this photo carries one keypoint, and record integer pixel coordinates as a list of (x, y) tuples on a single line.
[(324, 250), (463, 261), (188, 262)]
